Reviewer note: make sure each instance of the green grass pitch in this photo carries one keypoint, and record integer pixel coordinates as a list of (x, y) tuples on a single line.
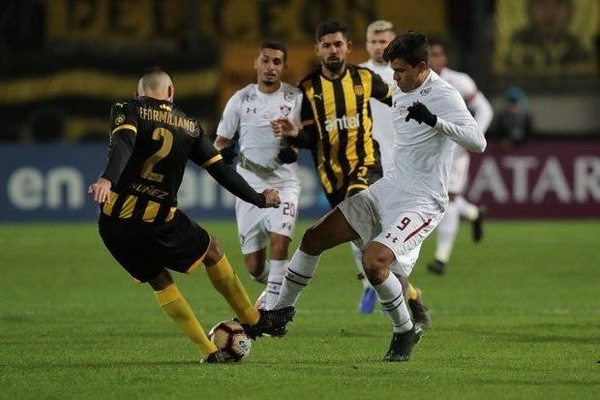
[(516, 316)]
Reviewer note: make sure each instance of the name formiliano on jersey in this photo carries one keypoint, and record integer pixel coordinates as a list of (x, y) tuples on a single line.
[(166, 117), (345, 122)]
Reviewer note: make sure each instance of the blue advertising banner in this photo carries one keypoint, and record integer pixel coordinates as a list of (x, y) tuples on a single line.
[(553, 179), (48, 182)]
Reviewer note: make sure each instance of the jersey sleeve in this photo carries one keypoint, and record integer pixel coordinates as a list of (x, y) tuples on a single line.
[(204, 152), (230, 119), (206, 156), (123, 130), (306, 113), (297, 108), (308, 135), (231, 180), (381, 90), (455, 121)]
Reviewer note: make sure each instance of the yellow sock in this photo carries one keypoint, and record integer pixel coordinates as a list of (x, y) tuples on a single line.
[(171, 300), (412, 292), (228, 284)]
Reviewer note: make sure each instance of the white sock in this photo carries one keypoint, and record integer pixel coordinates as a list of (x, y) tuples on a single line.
[(392, 301), (465, 209), (446, 233), (357, 252), (298, 274), (276, 274)]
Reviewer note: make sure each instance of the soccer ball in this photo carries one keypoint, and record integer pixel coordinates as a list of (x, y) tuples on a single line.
[(231, 339)]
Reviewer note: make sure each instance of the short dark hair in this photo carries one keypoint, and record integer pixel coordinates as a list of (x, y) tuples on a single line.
[(275, 45), (327, 27), (411, 46)]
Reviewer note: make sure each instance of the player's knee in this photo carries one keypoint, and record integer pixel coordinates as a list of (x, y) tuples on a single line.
[(376, 267), (279, 248), (161, 281), (254, 268), (312, 242), (214, 252)]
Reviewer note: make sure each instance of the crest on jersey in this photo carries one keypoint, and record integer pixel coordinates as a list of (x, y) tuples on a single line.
[(402, 110), (119, 119), (250, 97), (288, 96), (285, 109), (359, 90), (425, 92)]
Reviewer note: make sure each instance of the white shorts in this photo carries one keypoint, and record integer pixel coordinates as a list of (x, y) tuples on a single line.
[(402, 231), (255, 224), (459, 171)]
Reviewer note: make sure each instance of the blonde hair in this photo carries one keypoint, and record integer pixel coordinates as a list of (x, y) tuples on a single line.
[(380, 26)]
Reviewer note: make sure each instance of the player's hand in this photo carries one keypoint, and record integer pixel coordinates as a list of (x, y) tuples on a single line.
[(228, 153), (420, 113), (100, 191), (271, 198), (284, 127), (287, 155)]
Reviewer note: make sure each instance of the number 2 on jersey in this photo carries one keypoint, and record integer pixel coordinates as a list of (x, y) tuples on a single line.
[(167, 143)]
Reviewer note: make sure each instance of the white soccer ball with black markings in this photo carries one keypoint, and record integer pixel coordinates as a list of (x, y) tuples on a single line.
[(231, 339)]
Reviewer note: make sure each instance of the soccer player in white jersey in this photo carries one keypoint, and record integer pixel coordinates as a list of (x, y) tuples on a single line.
[(379, 34), (391, 218), (265, 161), (458, 206)]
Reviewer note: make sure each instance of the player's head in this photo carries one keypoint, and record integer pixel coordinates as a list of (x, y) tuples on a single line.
[(270, 63), (332, 45), (438, 58), (157, 83), (379, 34), (408, 55)]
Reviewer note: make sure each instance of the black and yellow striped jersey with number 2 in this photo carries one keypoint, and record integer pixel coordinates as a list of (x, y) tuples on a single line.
[(156, 140), (338, 112)]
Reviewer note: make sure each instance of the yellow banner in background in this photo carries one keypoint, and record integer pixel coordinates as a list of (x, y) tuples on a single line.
[(238, 26), (545, 37), (99, 84), (294, 22), (242, 21), (115, 20)]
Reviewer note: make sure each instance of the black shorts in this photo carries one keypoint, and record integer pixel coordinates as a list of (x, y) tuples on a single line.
[(358, 180), (144, 249)]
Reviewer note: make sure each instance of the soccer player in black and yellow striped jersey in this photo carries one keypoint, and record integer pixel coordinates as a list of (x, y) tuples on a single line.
[(337, 124), (336, 116), (151, 141)]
